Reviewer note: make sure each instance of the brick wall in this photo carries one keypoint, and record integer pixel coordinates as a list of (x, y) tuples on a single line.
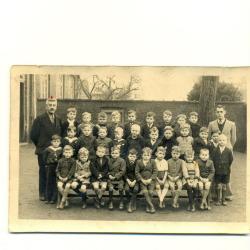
[(236, 111)]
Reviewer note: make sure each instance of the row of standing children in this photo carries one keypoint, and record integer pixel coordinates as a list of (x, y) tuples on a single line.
[(142, 142)]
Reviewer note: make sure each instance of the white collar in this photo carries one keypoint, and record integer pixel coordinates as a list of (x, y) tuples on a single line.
[(222, 148)]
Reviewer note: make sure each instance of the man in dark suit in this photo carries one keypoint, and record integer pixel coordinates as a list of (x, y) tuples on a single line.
[(43, 127)]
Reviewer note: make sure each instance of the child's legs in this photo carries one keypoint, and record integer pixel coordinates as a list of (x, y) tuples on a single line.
[(83, 188), (179, 188), (74, 185), (151, 188), (96, 185), (189, 193), (164, 190), (145, 192), (103, 186), (207, 186), (128, 190), (121, 189), (158, 190), (60, 187)]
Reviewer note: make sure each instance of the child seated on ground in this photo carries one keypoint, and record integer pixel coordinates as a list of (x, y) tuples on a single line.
[(115, 122), (104, 140), (191, 176), (184, 141), (135, 140), (167, 122), (131, 120), (71, 139), (146, 173), (71, 120), (131, 184), (206, 167), (201, 141), (117, 169), (175, 166), (120, 142), (99, 174), (161, 185), (153, 141), (87, 140), (222, 158), (86, 119), (102, 122), (149, 123), (193, 121), (52, 154), (168, 141), (82, 175), (65, 172), (181, 120)]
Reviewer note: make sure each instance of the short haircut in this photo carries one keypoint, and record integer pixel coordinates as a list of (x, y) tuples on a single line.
[(181, 116), (220, 106), (147, 150), (68, 148), (85, 125), (71, 109), (161, 149), (115, 148), (51, 99), (131, 111), (167, 112), (154, 130), (223, 135), (204, 149), (136, 126), (86, 114), (103, 128), (101, 146), (176, 149), (115, 113), (83, 151), (150, 114), (71, 128), (193, 113), (132, 151), (189, 152), (204, 130), (102, 115), (119, 129), (185, 126), (168, 128), (55, 137)]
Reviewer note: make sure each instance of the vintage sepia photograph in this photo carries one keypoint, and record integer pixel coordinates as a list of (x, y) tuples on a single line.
[(129, 149)]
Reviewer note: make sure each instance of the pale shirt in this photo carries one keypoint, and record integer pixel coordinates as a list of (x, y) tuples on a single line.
[(162, 167)]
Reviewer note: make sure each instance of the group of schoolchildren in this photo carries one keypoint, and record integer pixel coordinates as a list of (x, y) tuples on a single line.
[(133, 158)]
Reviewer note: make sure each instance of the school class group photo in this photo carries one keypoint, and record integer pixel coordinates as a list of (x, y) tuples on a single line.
[(172, 156)]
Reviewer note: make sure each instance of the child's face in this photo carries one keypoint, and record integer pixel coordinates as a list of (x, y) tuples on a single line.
[(71, 133), (86, 118), (193, 119), (167, 118), (135, 131), (67, 153), (86, 131), (204, 155), (102, 133), (115, 154), (203, 135), (189, 158), (222, 141), (100, 152), (184, 132), (175, 155), (115, 118), (154, 135), (56, 143), (71, 115), (146, 156), (83, 157), (150, 119), (168, 134), (215, 137), (131, 117), (160, 155), (132, 157), (118, 134), (181, 121), (102, 120)]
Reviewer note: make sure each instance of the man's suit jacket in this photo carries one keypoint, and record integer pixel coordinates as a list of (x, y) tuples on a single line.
[(42, 130), (229, 131)]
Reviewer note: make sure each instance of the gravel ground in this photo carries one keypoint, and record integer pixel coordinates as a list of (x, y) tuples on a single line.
[(31, 208)]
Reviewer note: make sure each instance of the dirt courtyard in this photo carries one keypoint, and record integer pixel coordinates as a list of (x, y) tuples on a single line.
[(30, 207)]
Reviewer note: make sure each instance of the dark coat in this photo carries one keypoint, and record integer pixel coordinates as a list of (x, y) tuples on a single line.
[(127, 128), (199, 144), (42, 130), (162, 126), (89, 142), (130, 170), (97, 168), (137, 144), (168, 144), (152, 146), (65, 126), (222, 161), (195, 128), (145, 130), (145, 172)]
